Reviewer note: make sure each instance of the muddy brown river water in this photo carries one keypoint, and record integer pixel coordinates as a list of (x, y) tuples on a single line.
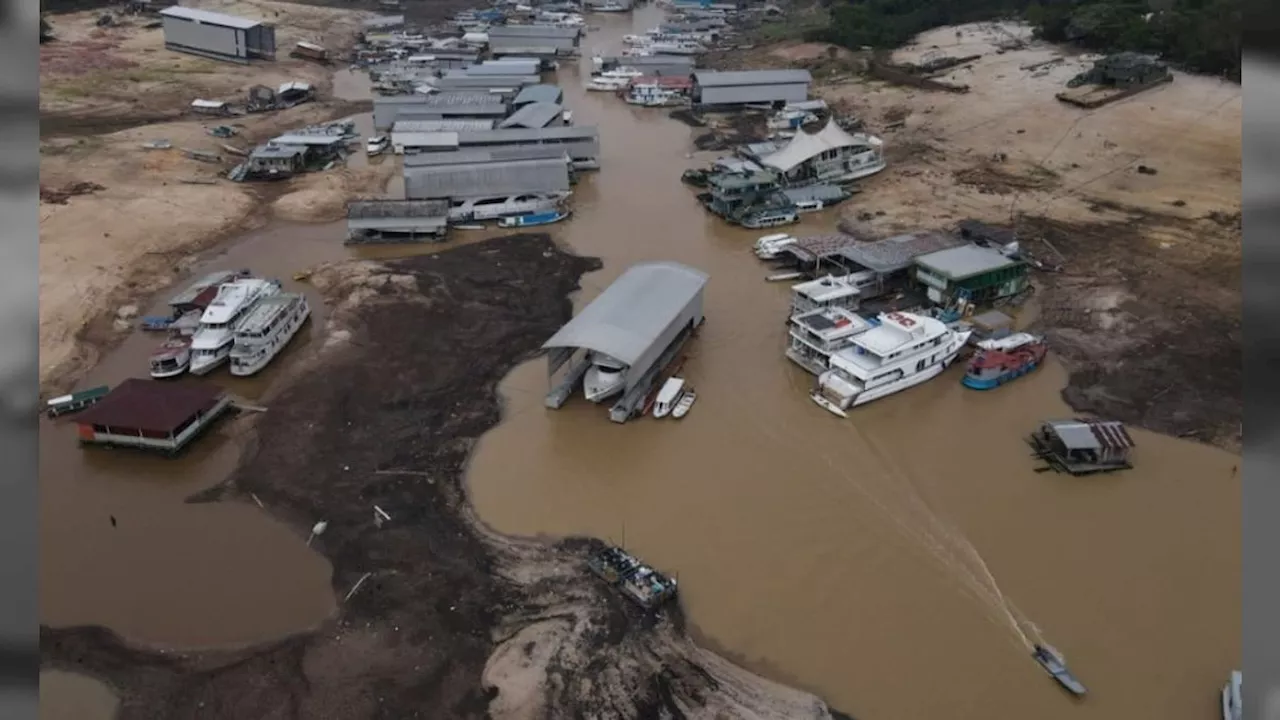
[(885, 562)]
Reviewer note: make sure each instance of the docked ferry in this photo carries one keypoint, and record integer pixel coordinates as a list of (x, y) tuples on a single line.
[(903, 351), (265, 330), (999, 361), (211, 344), (172, 357)]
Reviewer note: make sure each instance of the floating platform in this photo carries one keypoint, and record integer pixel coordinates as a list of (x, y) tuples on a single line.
[(1091, 97), (152, 415)]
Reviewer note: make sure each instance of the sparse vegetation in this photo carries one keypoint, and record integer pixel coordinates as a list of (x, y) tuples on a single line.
[(1199, 35)]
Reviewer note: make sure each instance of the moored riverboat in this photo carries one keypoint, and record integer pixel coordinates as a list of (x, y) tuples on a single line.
[(998, 361)]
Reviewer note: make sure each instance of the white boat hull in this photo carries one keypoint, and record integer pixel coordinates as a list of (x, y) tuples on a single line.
[(162, 374), (205, 364), (598, 387), (887, 389), (273, 346)]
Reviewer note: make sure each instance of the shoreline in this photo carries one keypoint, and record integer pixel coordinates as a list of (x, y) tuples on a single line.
[(520, 615)]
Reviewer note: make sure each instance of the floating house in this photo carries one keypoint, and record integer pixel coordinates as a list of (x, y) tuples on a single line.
[(380, 221), (887, 261), (152, 415), (831, 155), (217, 36), (966, 277), (749, 87), (1083, 447)]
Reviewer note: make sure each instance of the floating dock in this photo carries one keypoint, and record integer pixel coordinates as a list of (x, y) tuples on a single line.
[(152, 415)]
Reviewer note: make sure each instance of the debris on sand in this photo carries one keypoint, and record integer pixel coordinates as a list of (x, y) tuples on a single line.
[(455, 621), (59, 196)]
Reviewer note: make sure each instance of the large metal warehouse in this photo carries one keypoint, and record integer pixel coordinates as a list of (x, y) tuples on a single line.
[(511, 37), (495, 154), (635, 320), (470, 179), (582, 142), (750, 86), (653, 64), (538, 93), (535, 116), (462, 104), (217, 36), (460, 80)]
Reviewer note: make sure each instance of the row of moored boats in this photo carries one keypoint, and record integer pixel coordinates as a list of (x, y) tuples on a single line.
[(235, 320), (860, 358)]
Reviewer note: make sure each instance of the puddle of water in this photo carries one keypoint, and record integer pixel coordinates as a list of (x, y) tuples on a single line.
[(68, 696)]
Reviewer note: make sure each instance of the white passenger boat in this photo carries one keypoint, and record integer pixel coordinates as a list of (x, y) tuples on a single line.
[(171, 358), (903, 351), (624, 72), (1231, 697), (376, 145), (676, 47), (815, 335), (212, 341), (825, 292), (264, 331), (668, 396), (653, 96), (607, 84), (494, 207), (770, 247), (684, 403), (605, 378)]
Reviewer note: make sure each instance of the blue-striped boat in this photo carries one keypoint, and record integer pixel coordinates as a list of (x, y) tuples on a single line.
[(533, 219)]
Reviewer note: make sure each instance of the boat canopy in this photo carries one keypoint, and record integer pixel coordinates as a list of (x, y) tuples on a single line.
[(805, 146)]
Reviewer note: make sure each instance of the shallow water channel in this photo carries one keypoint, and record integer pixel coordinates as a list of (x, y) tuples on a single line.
[(879, 561)]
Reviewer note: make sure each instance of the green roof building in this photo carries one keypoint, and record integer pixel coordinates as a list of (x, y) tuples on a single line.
[(970, 275)]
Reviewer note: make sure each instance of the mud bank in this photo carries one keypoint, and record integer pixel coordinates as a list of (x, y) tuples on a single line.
[(439, 617)]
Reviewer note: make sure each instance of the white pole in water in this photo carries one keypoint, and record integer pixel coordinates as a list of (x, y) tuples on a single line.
[(316, 530)]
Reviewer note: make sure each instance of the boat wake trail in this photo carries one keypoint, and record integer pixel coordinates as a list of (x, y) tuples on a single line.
[(916, 520)]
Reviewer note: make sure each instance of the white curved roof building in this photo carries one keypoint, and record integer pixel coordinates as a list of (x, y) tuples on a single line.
[(635, 319), (830, 155)]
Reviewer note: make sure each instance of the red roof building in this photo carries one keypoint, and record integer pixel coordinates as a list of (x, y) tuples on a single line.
[(152, 414)]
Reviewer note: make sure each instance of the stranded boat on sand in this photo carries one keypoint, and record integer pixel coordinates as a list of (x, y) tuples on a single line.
[(638, 581), (999, 361)]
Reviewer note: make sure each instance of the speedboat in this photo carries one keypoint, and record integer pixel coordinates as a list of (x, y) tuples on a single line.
[(770, 246), (607, 84), (171, 358), (668, 396), (1231, 701), (684, 403), (1054, 664), (604, 379)]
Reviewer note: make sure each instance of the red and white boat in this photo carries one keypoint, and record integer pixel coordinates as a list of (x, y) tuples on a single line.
[(999, 361), (172, 358)]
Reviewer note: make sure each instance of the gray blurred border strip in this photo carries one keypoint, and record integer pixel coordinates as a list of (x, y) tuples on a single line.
[(19, 289), (1260, 544)]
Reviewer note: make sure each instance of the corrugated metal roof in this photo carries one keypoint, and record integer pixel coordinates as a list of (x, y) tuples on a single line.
[(407, 123), (206, 17), (424, 139), (151, 405), (960, 263), (459, 81), (533, 115), (542, 92), (631, 314), (308, 139), (369, 209), (461, 98), (715, 78), (532, 31), (1091, 434), (896, 253), (474, 180), (501, 153), (276, 151), (518, 135), (504, 67)]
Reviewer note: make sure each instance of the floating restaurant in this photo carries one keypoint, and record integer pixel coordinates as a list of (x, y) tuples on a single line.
[(152, 415)]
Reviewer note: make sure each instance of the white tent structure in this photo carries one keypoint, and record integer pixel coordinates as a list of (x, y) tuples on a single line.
[(829, 155)]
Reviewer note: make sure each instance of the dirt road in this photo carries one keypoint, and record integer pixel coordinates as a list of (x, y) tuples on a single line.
[(449, 619), (1139, 201)]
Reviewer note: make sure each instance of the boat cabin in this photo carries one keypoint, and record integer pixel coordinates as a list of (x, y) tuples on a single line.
[(814, 336), (1083, 447), (827, 291), (667, 396)]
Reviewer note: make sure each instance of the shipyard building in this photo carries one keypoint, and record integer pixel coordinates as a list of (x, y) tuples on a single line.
[(537, 40), (641, 320), (461, 175), (582, 144), (716, 88), (217, 36)]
